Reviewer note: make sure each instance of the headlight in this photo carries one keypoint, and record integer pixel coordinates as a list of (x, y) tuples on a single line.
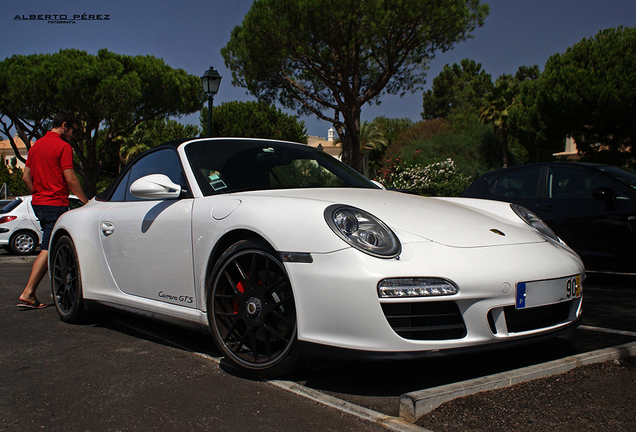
[(535, 222), (363, 231)]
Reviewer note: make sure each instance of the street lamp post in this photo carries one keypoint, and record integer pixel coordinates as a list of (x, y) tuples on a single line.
[(210, 81)]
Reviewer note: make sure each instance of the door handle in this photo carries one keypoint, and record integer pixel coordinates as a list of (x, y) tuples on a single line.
[(107, 228)]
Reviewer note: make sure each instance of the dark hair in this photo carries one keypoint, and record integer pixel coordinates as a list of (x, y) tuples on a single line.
[(64, 117)]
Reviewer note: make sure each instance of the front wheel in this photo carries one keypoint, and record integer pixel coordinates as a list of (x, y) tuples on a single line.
[(251, 310), (66, 282)]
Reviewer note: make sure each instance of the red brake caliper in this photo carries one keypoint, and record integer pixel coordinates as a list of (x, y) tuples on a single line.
[(235, 304)]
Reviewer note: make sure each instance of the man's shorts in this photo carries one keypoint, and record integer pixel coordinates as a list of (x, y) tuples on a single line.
[(48, 215)]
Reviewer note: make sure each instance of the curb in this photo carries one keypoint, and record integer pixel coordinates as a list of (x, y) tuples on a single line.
[(419, 403)]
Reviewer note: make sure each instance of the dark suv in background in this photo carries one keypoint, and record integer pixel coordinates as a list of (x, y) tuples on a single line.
[(591, 207)]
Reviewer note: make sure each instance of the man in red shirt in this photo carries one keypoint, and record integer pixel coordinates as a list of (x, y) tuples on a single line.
[(49, 175)]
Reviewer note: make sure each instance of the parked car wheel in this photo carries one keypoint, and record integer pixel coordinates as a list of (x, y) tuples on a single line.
[(23, 242), (251, 310), (66, 282)]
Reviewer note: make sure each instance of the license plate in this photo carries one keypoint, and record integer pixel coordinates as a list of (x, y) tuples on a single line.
[(540, 293)]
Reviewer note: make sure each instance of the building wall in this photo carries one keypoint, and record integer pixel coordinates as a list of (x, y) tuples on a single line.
[(571, 153), (7, 153)]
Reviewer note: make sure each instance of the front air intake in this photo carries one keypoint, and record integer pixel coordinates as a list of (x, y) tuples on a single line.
[(425, 320)]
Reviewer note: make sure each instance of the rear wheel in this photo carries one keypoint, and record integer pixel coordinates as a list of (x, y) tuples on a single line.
[(66, 282), (23, 243), (251, 310)]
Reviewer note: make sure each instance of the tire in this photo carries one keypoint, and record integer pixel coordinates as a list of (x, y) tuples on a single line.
[(251, 310), (66, 282), (23, 242)]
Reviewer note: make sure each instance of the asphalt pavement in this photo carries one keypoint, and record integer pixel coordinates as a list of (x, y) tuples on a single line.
[(108, 376), (123, 373)]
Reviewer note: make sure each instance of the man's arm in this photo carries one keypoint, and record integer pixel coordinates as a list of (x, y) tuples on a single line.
[(26, 177), (73, 183)]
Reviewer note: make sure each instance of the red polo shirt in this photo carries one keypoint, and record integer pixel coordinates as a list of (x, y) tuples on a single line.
[(47, 159)]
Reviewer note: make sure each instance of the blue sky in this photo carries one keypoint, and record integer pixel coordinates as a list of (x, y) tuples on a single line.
[(189, 35)]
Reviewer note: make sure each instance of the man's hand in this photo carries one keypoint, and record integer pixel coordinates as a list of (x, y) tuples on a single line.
[(74, 185)]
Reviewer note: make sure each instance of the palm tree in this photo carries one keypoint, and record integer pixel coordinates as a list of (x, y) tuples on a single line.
[(371, 138), (372, 142), (503, 99), (134, 145), (152, 133), (497, 106)]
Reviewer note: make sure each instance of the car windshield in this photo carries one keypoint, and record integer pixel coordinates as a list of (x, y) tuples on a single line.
[(624, 177), (223, 166), (13, 204)]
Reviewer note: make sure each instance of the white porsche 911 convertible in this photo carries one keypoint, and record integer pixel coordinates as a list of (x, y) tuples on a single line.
[(282, 252)]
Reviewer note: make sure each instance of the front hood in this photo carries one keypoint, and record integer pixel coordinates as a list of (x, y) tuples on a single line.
[(461, 222)]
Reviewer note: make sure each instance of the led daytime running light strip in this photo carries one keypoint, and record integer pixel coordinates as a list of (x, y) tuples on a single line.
[(415, 287)]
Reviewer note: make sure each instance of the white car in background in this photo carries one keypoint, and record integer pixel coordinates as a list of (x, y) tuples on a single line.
[(281, 252), (20, 231)]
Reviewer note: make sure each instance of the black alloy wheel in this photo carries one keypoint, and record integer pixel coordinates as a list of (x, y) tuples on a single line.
[(251, 310), (66, 284)]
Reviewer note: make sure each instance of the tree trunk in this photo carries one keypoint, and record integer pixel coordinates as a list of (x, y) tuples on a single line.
[(351, 140), (504, 142), (89, 183)]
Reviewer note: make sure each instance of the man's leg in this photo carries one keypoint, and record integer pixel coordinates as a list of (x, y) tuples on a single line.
[(47, 215), (38, 271)]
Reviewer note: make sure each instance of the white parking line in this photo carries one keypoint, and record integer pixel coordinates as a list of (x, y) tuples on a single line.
[(391, 423), (605, 290), (606, 330)]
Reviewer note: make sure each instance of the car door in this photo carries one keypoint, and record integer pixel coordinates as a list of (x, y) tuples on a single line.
[(30, 220), (599, 231), (148, 243)]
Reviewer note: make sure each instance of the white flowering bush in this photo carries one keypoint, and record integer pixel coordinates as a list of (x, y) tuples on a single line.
[(436, 179)]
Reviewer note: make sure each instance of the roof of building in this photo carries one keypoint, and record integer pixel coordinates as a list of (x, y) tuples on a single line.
[(6, 144), (328, 145)]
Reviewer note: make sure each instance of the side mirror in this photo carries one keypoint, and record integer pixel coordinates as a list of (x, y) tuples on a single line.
[(603, 194), (155, 186), (607, 195)]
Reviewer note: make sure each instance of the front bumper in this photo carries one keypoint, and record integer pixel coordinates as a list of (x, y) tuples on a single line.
[(314, 350), (339, 310)]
